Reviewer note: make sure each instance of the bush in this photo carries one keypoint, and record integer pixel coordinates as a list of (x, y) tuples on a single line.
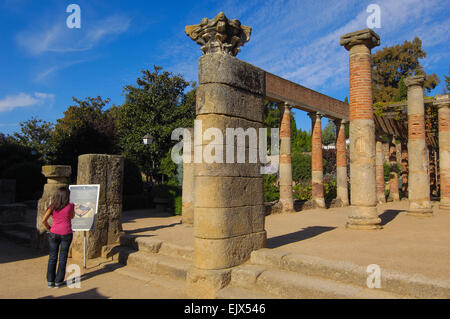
[(301, 166), (271, 191), (178, 205), (303, 191)]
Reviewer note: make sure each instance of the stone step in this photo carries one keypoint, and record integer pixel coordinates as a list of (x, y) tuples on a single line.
[(155, 246), (231, 292), (178, 287), (17, 236), (416, 286), (173, 267)]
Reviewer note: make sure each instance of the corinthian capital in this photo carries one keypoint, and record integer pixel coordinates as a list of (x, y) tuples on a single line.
[(219, 34)]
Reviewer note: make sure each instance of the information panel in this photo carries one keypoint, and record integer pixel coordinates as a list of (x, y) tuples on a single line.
[(85, 199)]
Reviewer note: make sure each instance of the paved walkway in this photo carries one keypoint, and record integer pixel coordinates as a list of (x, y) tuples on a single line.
[(407, 244)]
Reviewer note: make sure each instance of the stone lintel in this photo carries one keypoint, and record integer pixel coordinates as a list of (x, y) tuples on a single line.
[(415, 80), (367, 37)]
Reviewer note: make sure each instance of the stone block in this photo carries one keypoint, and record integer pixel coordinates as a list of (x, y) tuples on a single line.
[(226, 253), (267, 257), (51, 171), (225, 69), (204, 284), (246, 275), (93, 169), (228, 222)]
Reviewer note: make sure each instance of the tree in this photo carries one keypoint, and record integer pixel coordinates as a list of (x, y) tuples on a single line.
[(447, 82), (402, 92), (85, 128), (329, 133), (35, 134), (156, 106), (392, 63)]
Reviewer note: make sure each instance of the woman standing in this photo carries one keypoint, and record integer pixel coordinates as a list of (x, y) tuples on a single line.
[(60, 234)]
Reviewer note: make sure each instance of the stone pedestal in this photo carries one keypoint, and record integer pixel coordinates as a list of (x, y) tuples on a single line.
[(107, 171), (443, 104), (229, 195), (379, 171), (363, 195), (286, 197), (317, 160), (341, 163), (57, 176), (187, 214), (419, 182), (393, 176)]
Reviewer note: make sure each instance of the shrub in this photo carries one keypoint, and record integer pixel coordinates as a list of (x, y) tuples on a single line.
[(178, 205), (303, 191), (271, 191)]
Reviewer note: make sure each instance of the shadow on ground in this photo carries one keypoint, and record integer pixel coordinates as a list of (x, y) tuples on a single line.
[(11, 251), (88, 294), (388, 216), (153, 228), (300, 235)]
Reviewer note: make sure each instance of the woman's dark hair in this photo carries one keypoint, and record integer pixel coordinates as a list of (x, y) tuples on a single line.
[(60, 199)]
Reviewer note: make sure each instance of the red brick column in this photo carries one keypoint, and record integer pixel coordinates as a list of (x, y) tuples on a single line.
[(419, 181), (341, 163), (379, 171), (443, 104), (286, 198), (317, 160), (363, 213), (393, 181)]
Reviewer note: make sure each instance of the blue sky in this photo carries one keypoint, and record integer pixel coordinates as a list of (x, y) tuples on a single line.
[(43, 63)]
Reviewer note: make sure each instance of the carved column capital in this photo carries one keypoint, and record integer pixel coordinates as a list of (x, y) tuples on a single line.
[(367, 37), (219, 34), (415, 80), (442, 101)]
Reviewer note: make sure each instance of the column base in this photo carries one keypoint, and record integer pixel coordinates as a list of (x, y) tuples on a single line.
[(363, 217), (319, 202), (420, 213), (287, 206), (205, 283), (420, 208), (444, 206)]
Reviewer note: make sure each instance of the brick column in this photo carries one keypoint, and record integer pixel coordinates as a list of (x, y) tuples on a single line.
[(404, 169), (379, 171), (419, 182), (286, 199), (393, 176), (317, 160), (443, 104), (363, 213), (341, 163), (187, 214)]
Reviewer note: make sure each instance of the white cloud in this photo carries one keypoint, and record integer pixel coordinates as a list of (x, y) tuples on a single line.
[(23, 99)]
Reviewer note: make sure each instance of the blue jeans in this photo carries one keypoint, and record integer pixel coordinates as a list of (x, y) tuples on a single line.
[(55, 241)]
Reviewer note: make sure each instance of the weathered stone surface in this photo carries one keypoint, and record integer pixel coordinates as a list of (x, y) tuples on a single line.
[(366, 37), (285, 166), (228, 222), (227, 252), (246, 275), (267, 257), (227, 100), (51, 171), (225, 69), (443, 104), (415, 80), (188, 189), (7, 191), (212, 191), (219, 35), (201, 283)]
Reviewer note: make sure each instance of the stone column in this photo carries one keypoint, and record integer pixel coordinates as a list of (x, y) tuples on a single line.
[(363, 213), (57, 177), (317, 160), (341, 163), (443, 104), (229, 196), (419, 182), (107, 171), (188, 189), (286, 199), (432, 171), (404, 169), (393, 176), (379, 171)]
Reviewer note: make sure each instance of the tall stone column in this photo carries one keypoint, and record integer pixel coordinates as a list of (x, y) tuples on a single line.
[(286, 199), (341, 163), (188, 189), (393, 176), (379, 171), (404, 169), (229, 194), (432, 171), (419, 182), (317, 160), (443, 104), (363, 213)]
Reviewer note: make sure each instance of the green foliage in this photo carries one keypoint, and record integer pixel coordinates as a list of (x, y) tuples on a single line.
[(447, 82), (271, 191), (301, 142), (35, 134), (329, 133), (330, 190), (178, 205), (301, 166), (392, 63), (402, 92), (157, 105), (387, 171), (302, 191)]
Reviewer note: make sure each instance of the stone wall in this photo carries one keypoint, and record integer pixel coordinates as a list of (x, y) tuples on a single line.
[(107, 171)]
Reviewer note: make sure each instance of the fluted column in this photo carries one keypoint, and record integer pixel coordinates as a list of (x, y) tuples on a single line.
[(443, 104), (341, 163), (381, 197), (393, 176), (286, 198), (419, 181), (317, 160), (363, 212)]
